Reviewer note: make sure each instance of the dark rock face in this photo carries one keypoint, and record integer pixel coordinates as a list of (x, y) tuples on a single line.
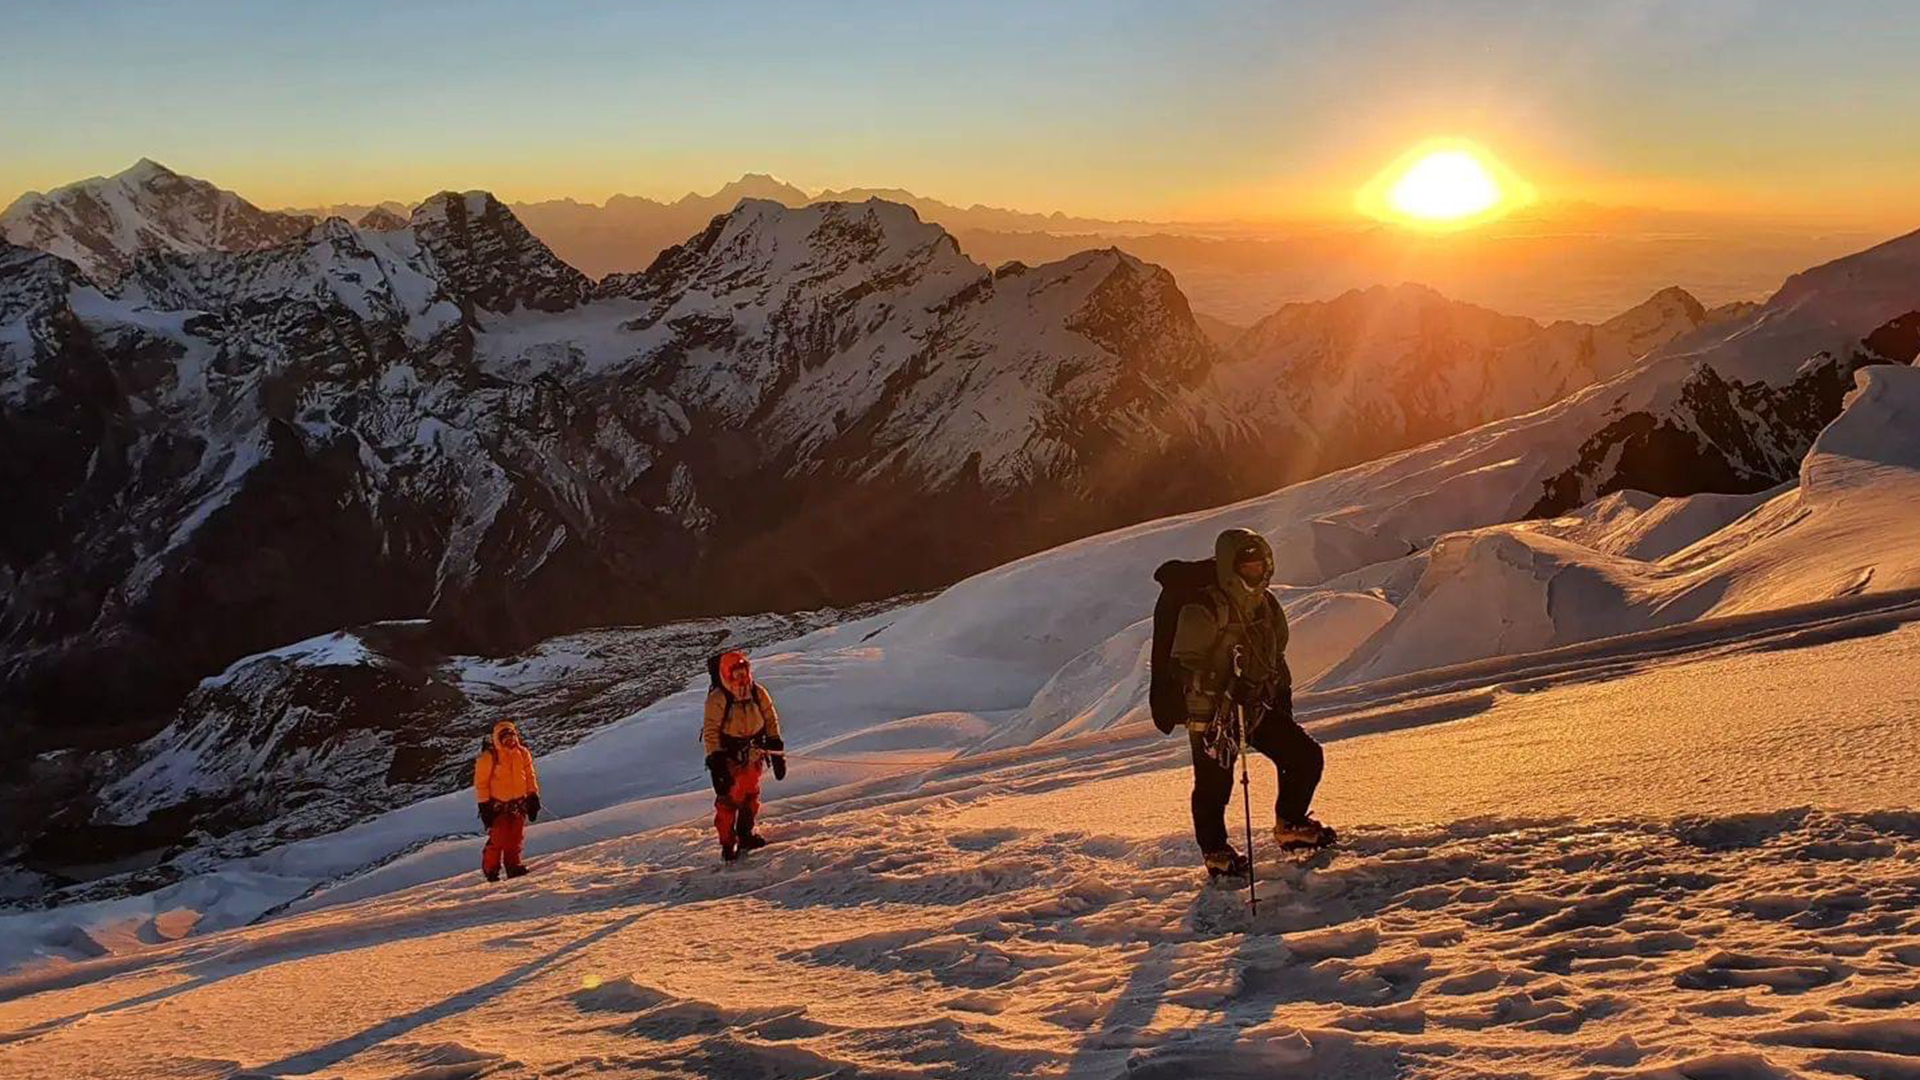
[(1722, 435), (1898, 342), (253, 448), (490, 260)]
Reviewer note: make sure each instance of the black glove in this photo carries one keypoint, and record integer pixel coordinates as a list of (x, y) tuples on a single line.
[(1244, 691), (533, 807), (1282, 703), (777, 759), (717, 765), (488, 811)]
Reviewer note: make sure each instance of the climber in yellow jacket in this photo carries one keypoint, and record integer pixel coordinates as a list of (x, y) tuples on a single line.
[(740, 730), (509, 796)]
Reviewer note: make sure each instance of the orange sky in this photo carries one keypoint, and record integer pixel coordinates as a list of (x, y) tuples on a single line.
[(1234, 109)]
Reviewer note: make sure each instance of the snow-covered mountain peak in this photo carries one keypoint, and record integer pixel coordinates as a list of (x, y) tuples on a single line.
[(489, 259), (104, 224), (147, 171), (1667, 316), (762, 245), (1667, 307)]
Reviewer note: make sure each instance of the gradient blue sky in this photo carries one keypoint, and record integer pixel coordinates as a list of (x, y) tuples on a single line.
[(1117, 108)]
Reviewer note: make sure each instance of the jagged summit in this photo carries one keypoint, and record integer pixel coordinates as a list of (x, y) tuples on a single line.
[(490, 259)]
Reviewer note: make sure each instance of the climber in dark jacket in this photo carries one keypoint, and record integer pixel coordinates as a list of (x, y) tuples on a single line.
[(1240, 611)]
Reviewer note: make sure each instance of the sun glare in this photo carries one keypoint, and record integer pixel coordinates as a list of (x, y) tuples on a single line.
[(1443, 185)]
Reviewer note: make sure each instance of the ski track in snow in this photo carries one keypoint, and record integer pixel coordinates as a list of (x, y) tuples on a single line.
[(1040, 913)]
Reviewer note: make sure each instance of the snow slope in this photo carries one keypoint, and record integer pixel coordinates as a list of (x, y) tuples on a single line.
[(1686, 861)]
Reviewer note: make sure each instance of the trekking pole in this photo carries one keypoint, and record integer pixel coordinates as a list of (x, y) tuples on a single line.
[(1246, 798), (1246, 785)]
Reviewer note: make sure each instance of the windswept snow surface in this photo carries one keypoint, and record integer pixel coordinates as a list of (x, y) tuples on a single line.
[(1676, 856)]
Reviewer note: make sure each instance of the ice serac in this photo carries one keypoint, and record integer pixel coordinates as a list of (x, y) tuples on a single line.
[(102, 225)]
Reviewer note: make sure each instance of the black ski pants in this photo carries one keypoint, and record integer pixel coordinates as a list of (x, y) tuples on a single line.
[(1293, 752)]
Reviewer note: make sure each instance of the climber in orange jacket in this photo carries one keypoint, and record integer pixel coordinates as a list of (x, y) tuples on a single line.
[(741, 730), (509, 795)]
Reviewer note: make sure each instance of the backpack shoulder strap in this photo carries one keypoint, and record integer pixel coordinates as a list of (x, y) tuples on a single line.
[(1216, 602)]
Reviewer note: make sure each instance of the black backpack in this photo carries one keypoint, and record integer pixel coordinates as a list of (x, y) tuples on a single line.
[(1181, 583)]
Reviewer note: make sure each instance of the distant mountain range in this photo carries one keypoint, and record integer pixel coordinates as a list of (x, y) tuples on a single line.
[(1553, 261), (626, 232)]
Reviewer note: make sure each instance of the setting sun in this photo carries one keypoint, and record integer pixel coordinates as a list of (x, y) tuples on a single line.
[(1443, 185)]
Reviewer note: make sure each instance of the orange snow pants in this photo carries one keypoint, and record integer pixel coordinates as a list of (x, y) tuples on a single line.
[(504, 837), (734, 812)]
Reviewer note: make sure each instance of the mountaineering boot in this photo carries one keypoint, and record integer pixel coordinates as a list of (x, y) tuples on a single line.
[(1304, 832), (752, 842), (728, 852), (492, 875), (1226, 863), (516, 871)]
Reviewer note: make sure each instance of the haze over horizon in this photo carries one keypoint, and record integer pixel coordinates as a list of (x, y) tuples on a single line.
[(1241, 111)]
